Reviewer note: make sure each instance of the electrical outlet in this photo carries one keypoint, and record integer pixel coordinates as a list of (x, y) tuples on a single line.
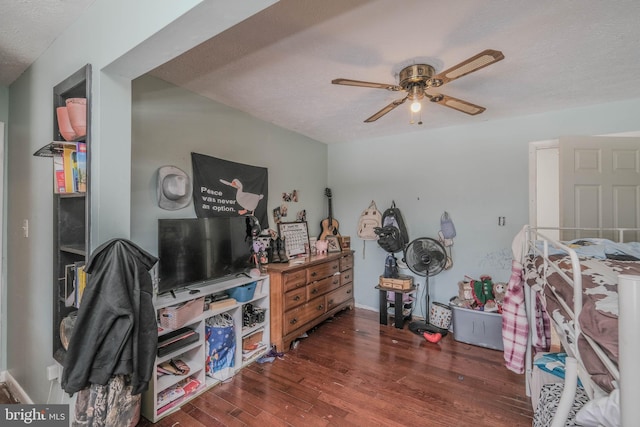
[(53, 372), (25, 228)]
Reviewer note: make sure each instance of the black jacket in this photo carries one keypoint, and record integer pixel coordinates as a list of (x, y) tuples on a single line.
[(116, 330)]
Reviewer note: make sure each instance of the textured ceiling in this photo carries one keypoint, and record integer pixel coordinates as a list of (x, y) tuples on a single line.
[(27, 29), (278, 65)]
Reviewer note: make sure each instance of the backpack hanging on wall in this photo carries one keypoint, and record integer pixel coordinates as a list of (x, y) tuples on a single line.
[(393, 235), (370, 218)]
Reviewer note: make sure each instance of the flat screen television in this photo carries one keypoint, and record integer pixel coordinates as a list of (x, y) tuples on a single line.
[(193, 251)]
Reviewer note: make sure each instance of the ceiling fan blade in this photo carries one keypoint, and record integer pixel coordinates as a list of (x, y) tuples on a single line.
[(472, 64), (386, 109), (348, 82), (457, 104)]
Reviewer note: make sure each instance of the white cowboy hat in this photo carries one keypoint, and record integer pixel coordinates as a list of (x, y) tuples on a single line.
[(174, 188)]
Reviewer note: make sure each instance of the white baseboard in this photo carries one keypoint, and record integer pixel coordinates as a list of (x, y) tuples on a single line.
[(14, 387)]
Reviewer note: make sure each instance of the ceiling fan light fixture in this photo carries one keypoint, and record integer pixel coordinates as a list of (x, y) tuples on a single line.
[(416, 79), (416, 95)]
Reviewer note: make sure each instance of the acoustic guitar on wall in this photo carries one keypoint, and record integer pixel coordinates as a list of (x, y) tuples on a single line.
[(329, 225)]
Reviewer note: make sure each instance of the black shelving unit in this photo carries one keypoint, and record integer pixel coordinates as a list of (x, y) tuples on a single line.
[(71, 211)]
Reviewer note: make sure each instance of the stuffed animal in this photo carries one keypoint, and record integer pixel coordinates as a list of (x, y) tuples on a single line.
[(499, 291), (482, 290), (465, 294)]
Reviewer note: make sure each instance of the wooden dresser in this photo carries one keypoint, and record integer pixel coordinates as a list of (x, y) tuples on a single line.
[(303, 295)]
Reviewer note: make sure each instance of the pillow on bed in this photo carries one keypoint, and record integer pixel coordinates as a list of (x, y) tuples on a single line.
[(597, 248), (604, 411)]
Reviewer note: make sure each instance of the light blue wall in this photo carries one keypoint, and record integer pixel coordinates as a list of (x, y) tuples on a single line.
[(170, 123), (476, 173)]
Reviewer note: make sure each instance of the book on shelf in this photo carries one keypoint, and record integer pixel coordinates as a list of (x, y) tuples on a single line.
[(249, 354), (69, 163), (172, 396), (80, 282), (222, 303), (81, 173), (70, 293), (58, 175), (70, 168)]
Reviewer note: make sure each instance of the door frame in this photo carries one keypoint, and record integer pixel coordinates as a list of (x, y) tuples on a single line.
[(3, 281), (534, 147)]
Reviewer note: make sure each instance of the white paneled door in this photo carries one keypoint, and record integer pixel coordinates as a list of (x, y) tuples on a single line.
[(599, 184)]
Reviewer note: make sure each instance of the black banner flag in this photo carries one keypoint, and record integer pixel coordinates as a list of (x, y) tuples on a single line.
[(225, 188)]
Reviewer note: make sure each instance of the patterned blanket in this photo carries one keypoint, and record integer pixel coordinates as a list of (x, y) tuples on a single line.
[(599, 315)]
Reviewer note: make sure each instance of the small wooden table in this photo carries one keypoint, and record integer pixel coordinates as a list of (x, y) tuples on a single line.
[(399, 318)]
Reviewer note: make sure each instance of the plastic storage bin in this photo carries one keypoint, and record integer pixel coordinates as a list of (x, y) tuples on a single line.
[(243, 293), (477, 327)]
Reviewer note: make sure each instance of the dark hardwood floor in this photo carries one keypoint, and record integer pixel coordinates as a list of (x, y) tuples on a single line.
[(352, 371)]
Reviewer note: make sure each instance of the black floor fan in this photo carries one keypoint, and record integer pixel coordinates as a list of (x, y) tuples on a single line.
[(425, 257)]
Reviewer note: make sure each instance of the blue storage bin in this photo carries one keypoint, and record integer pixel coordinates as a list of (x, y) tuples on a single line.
[(243, 293)]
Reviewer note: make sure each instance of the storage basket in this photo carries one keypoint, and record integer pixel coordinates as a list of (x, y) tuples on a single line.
[(402, 282), (440, 315), (179, 315), (243, 293)]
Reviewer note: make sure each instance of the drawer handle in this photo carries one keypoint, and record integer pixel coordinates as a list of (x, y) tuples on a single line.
[(320, 306), (347, 276), (293, 321), (314, 291), (314, 274), (335, 282), (349, 291), (296, 298), (335, 267), (330, 302)]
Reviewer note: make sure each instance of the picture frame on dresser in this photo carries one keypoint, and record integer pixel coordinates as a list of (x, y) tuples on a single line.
[(295, 236), (333, 245)]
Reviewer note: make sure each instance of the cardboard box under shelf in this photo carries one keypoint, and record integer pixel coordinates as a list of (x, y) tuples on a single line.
[(477, 327), (402, 282), (252, 341)]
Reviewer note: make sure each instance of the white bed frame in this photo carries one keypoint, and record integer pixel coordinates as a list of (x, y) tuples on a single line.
[(628, 339)]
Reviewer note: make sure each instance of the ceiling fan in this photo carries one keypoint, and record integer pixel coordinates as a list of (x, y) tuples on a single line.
[(417, 79)]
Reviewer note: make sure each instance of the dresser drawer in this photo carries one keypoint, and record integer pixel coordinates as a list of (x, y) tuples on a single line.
[(346, 277), (339, 296), (346, 262), (299, 316), (322, 270), (294, 279), (323, 286), (295, 298)]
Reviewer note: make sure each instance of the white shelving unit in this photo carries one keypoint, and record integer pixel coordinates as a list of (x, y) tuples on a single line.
[(194, 354)]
